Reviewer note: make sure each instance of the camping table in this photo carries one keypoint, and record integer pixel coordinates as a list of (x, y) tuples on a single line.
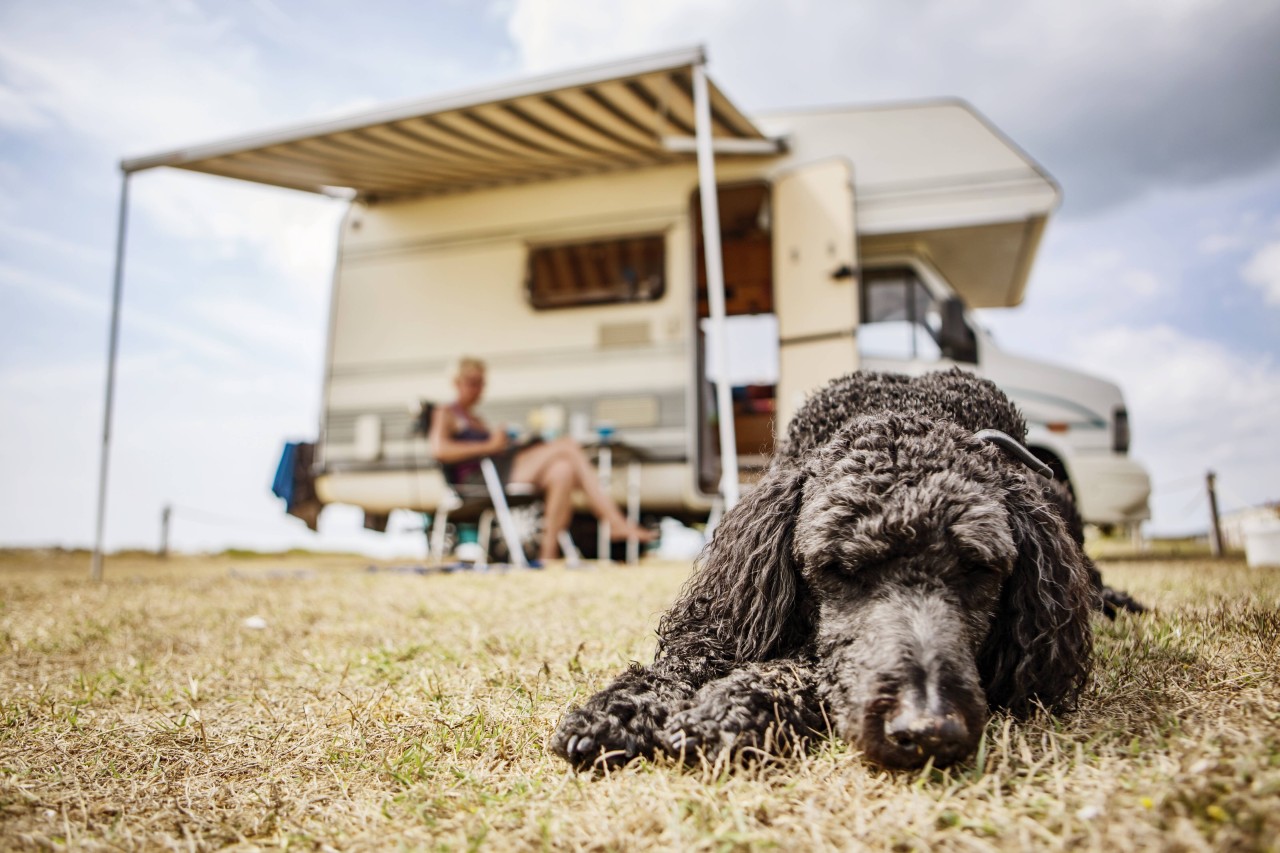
[(605, 450)]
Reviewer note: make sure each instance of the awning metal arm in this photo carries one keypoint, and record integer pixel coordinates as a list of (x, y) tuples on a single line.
[(113, 346), (758, 147), (715, 283)]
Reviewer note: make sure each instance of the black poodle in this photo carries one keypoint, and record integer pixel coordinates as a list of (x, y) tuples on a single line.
[(899, 570)]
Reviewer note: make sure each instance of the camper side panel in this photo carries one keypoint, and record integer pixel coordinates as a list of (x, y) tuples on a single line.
[(423, 282)]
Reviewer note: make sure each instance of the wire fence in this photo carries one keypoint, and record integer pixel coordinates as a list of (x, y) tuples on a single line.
[(283, 524), (202, 516)]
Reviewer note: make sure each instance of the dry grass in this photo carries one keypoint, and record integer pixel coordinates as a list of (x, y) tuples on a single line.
[(381, 710)]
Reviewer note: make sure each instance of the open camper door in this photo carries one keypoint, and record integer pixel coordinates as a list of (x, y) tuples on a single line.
[(815, 280)]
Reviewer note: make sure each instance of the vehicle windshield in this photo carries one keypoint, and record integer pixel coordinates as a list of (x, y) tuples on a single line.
[(900, 317)]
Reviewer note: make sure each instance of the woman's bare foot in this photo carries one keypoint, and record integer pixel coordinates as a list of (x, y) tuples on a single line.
[(622, 532)]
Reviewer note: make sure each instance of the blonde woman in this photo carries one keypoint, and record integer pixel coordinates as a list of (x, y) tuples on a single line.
[(460, 439)]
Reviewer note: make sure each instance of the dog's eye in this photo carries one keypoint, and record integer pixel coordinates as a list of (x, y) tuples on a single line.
[(976, 571), (843, 572), (978, 581)]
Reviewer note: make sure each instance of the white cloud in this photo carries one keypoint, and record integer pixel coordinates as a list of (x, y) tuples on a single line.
[(43, 287), (163, 75), (16, 112), (68, 381), (1115, 96), (181, 434), (1195, 406), (53, 243), (197, 417), (133, 319), (1216, 243), (547, 32), (1096, 283), (293, 234), (169, 76), (1263, 271), (1140, 282), (296, 336)]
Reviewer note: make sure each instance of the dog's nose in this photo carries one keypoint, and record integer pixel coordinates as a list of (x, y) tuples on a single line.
[(943, 736)]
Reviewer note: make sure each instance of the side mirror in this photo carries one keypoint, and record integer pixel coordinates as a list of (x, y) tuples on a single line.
[(956, 339)]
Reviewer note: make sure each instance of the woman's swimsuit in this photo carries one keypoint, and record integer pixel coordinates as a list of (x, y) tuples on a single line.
[(468, 471)]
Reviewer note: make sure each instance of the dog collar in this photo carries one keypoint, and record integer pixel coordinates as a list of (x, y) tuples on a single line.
[(1011, 444)]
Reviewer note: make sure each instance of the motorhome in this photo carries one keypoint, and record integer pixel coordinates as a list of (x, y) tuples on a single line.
[(554, 228)]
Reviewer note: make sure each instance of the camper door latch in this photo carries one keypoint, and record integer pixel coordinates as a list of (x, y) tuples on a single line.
[(842, 272)]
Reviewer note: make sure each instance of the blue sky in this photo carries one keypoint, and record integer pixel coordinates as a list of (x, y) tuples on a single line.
[(1161, 271)]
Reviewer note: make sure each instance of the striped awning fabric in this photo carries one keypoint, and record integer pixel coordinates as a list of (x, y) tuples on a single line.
[(626, 115)]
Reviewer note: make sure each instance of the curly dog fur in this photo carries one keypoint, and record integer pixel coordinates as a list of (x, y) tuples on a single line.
[(891, 578)]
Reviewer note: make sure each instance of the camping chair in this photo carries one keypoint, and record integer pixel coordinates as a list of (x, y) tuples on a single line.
[(490, 501)]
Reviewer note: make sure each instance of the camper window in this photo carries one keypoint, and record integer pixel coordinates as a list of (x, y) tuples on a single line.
[(621, 269), (900, 317)]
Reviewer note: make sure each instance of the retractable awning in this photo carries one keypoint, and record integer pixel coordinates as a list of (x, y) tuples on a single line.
[(624, 115), (627, 115)]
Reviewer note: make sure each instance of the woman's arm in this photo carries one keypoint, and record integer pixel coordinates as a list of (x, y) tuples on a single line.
[(445, 448)]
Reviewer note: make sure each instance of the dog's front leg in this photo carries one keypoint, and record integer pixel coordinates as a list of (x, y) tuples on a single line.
[(622, 721), (768, 708)]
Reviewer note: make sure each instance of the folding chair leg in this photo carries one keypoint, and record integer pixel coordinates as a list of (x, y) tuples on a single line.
[(604, 539), (484, 536), (506, 523), (713, 518), (633, 512), (572, 557), (439, 527)]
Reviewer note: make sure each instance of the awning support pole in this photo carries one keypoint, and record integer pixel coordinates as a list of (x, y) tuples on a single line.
[(715, 283), (95, 569)]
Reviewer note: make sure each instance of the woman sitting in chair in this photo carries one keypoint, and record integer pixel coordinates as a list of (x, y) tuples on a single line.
[(460, 439)]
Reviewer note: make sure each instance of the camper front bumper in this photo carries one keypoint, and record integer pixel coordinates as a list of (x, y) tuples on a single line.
[(1111, 489)]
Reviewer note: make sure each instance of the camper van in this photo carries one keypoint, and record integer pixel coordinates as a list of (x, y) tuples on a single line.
[(554, 228)]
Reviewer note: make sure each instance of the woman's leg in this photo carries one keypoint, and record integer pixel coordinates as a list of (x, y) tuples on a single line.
[(533, 464), (558, 481), (529, 464), (601, 503)]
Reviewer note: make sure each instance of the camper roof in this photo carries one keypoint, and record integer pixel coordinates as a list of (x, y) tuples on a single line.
[(935, 180), (624, 115)]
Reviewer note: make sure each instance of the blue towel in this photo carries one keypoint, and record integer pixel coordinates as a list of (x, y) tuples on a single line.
[(282, 487)]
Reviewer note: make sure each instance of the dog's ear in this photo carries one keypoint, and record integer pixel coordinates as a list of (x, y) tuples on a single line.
[(745, 594), (1041, 641)]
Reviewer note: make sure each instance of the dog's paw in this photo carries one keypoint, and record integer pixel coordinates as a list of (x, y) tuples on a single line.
[(1115, 601), (757, 712), (702, 731), (596, 738)]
